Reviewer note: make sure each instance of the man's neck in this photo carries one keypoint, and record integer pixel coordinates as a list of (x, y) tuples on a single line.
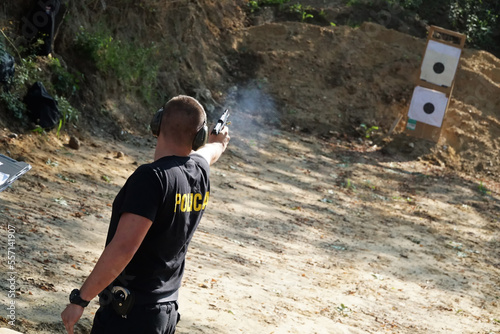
[(164, 150)]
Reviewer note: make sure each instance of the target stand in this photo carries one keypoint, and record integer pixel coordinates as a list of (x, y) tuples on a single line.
[(434, 84)]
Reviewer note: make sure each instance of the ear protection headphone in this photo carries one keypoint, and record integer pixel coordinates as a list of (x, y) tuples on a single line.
[(199, 140), (156, 122)]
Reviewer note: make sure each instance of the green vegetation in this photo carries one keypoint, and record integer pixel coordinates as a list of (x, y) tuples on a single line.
[(408, 4), (478, 19), (63, 82), (68, 113), (65, 178), (54, 76), (368, 130), (343, 310), (9, 98), (26, 72), (302, 11), (133, 65), (13, 104), (357, 2), (348, 185), (257, 4), (482, 189)]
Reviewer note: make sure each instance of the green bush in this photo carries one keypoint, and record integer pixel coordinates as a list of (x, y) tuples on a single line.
[(407, 4), (478, 19), (302, 11), (26, 71), (47, 70), (13, 104), (255, 5), (63, 81), (134, 65)]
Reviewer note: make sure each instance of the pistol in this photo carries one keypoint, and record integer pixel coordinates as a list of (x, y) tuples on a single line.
[(221, 123)]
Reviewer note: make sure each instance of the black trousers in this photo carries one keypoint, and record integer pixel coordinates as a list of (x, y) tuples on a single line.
[(142, 319)]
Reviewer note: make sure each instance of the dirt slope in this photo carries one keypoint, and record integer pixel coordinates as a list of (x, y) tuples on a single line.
[(329, 81), (311, 227)]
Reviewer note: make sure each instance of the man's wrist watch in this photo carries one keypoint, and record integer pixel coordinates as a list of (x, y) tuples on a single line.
[(74, 298)]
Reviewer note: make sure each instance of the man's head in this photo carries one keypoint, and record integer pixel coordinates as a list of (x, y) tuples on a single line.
[(184, 122)]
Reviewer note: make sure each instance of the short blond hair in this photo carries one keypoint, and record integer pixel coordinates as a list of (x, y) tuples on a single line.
[(183, 116)]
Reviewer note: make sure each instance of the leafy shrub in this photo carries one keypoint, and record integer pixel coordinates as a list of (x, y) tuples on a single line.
[(68, 113), (13, 104), (301, 11), (26, 71), (49, 70), (63, 81), (134, 65), (255, 5), (477, 19), (407, 4)]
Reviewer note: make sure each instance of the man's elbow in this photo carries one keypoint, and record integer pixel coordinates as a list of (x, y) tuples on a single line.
[(124, 249)]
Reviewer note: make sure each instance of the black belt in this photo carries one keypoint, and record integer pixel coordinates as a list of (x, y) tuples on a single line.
[(122, 300)]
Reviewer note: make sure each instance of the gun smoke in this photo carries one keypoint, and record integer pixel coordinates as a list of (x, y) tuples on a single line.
[(251, 109)]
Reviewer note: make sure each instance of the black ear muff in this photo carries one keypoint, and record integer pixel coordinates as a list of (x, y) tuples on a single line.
[(156, 122), (201, 137)]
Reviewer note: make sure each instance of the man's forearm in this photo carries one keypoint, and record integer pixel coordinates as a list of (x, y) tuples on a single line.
[(109, 266), (212, 152), (216, 145), (129, 235)]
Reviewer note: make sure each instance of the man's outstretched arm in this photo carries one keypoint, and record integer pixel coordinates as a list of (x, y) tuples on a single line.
[(129, 235)]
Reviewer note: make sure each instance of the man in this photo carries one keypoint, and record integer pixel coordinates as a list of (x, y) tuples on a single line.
[(153, 219)]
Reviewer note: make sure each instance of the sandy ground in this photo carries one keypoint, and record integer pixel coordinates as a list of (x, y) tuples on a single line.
[(301, 236)]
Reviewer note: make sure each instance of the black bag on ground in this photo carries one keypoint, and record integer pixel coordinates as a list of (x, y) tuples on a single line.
[(7, 67), (42, 107)]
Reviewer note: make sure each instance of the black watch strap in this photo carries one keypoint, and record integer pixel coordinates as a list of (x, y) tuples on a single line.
[(74, 298)]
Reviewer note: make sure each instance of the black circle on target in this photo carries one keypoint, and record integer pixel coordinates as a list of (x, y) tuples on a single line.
[(429, 108), (438, 68)]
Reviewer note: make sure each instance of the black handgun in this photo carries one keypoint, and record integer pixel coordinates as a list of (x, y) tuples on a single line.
[(221, 123)]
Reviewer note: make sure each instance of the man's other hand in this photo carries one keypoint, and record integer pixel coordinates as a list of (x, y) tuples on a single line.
[(70, 316)]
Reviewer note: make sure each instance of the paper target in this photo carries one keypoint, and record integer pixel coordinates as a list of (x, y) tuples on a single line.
[(428, 106), (440, 63)]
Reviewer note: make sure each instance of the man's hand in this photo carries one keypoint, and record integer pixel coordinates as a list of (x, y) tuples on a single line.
[(70, 316), (222, 138), (215, 147)]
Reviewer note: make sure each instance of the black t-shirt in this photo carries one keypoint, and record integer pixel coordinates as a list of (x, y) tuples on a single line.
[(172, 192)]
